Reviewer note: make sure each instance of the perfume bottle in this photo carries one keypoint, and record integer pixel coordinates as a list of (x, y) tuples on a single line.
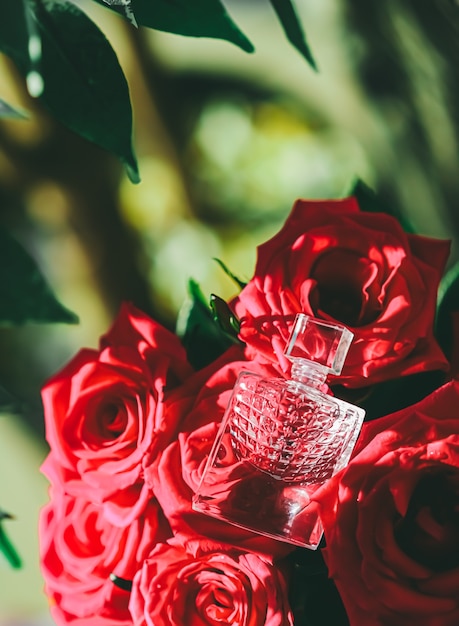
[(280, 440)]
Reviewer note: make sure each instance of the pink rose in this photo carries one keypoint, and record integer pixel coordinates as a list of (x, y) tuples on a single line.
[(175, 587), (79, 552), (335, 262), (104, 413), (391, 518)]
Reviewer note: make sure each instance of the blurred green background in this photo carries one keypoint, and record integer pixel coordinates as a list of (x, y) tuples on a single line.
[(226, 143)]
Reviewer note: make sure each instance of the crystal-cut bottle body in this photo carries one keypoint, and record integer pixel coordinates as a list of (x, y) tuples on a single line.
[(278, 442)]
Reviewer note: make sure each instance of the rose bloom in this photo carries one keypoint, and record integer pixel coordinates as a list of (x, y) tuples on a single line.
[(335, 262), (175, 587), (79, 551), (104, 412), (391, 518), (175, 474)]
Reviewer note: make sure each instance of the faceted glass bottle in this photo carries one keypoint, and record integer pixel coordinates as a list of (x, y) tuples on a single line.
[(282, 439)]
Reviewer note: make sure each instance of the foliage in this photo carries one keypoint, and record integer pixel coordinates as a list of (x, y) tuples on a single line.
[(6, 547), (69, 64), (26, 296), (369, 201), (203, 335), (84, 86), (7, 111)]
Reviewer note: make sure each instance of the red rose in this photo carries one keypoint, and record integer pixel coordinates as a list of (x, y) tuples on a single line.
[(391, 518), (175, 475), (104, 412), (335, 262), (175, 587), (80, 550)]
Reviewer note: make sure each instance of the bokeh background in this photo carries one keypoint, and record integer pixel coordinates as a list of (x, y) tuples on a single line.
[(226, 142)]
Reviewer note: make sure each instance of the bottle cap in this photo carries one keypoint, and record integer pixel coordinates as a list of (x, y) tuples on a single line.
[(318, 341)]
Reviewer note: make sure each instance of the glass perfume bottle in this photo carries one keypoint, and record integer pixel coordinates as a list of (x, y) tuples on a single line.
[(282, 439)]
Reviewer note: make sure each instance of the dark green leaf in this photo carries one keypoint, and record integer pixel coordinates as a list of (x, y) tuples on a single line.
[(122, 583), (126, 7), (8, 111), (240, 283), (448, 307), (202, 337), (448, 291), (225, 318), (313, 597), (392, 395), (195, 18), (26, 296), (5, 515), (291, 24), (7, 548), (13, 33), (8, 403), (370, 202), (84, 85)]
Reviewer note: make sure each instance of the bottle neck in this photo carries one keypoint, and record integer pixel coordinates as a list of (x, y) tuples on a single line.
[(309, 373)]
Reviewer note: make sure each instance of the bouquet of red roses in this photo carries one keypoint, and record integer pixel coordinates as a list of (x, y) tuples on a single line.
[(130, 427)]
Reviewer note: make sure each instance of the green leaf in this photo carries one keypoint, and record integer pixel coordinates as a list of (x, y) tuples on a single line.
[(448, 305), (6, 547), (26, 296), (8, 111), (84, 85), (225, 318), (127, 9), (240, 283), (448, 290), (202, 337), (313, 596), (392, 395), (122, 583), (193, 18), (370, 202), (291, 24), (8, 403)]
